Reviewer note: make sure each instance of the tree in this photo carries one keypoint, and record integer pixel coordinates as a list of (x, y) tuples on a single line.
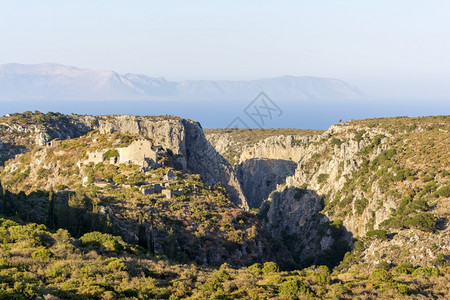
[(142, 237), (3, 198), (51, 222), (145, 234), (323, 275)]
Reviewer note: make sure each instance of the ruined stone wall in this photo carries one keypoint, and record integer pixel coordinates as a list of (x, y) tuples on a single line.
[(95, 157), (139, 153)]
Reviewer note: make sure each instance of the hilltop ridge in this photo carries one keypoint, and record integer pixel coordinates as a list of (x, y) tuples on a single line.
[(57, 82)]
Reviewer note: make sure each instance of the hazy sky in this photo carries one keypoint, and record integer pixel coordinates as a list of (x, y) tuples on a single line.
[(387, 48)]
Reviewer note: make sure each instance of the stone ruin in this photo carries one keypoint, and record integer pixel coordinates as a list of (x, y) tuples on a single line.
[(140, 152)]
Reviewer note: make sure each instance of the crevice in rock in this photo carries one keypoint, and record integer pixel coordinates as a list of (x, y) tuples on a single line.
[(259, 177)]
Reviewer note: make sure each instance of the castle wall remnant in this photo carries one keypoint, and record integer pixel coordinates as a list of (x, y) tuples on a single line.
[(139, 153), (96, 157)]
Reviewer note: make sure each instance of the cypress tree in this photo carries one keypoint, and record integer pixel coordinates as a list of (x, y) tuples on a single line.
[(151, 240), (142, 240), (51, 211), (3, 198)]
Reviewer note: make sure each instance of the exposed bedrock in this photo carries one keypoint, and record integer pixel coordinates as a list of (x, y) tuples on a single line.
[(260, 176)]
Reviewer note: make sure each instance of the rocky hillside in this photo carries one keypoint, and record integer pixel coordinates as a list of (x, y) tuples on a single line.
[(389, 176), (357, 211), (85, 184), (182, 138)]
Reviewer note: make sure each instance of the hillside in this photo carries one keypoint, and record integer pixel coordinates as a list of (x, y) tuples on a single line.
[(62, 83), (145, 207)]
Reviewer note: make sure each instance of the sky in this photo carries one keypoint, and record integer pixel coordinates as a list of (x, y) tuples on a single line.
[(389, 49)]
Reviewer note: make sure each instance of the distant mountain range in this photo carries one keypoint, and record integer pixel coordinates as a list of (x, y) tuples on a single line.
[(57, 82)]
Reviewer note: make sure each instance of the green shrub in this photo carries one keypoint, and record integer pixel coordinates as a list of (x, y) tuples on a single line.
[(323, 275), (379, 233), (360, 205), (426, 271), (359, 135), (270, 267), (322, 178), (443, 191), (335, 141), (120, 178), (422, 221), (294, 289), (381, 275), (255, 269), (440, 260), (98, 240), (115, 264), (130, 293), (377, 139), (402, 288), (211, 285), (221, 275), (403, 174), (5, 223), (383, 265), (43, 253), (405, 268), (57, 269), (111, 153)]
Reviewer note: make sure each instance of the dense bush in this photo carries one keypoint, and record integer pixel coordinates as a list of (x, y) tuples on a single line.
[(102, 241), (42, 253), (422, 221), (406, 268), (379, 233), (381, 275), (270, 267), (294, 289), (444, 191), (426, 271), (111, 153), (323, 275)]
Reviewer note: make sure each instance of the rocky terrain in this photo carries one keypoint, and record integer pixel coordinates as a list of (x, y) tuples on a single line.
[(381, 174), (183, 138), (366, 199)]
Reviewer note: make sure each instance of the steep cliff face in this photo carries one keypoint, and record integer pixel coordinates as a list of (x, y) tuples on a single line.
[(290, 147), (184, 138), (369, 175), (203, 159), (293, 216), (259, 177), (238, 145)]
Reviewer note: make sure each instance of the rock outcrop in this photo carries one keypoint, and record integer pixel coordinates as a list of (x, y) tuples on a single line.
[(182, 138)]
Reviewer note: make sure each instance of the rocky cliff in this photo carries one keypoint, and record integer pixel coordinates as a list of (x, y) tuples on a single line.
[(260, 176), (354, 178), (184, 138)]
